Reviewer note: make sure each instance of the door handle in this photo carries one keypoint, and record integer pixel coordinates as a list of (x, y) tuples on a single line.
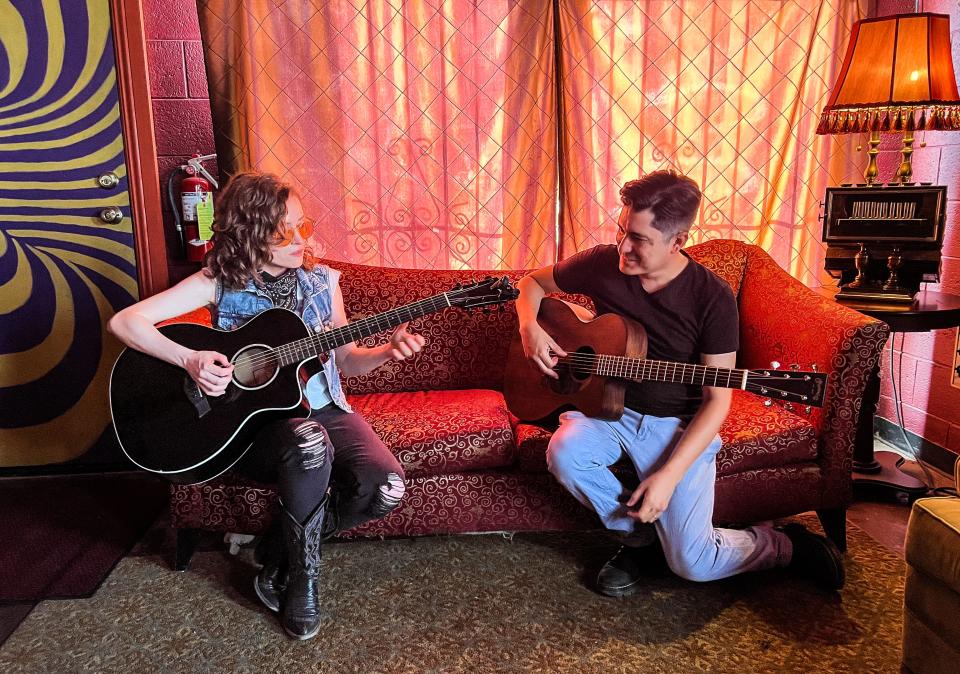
[(108, 180), (111, 215)]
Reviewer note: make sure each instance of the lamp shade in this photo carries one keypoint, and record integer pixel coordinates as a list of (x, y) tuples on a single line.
[(897, 76)]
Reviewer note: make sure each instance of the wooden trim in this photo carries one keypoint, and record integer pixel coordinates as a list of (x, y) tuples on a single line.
[(140, 147)]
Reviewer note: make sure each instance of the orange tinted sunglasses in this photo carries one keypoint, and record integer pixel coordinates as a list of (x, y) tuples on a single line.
[(285, 238)]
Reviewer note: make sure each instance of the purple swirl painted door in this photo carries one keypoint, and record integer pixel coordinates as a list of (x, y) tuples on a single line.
[(64, 269)]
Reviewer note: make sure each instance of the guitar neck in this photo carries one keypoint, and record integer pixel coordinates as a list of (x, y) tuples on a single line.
[(321, 342), (642, 369)]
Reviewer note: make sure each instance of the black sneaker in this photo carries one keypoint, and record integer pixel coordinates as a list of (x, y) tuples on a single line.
[(815, 557), (622, 574)]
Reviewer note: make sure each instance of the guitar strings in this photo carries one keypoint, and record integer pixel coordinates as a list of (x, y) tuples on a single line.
[(752, 386), (271, 356), (586, 364), (647, 363)]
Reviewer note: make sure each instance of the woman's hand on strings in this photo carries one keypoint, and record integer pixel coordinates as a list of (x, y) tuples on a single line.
[(211, 370)]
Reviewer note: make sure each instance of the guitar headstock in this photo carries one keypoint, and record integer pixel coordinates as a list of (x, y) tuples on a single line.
[(794, 385), (489, 291)]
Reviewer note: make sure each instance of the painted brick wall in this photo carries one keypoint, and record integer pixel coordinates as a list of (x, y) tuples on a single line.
[(922, 361), (181, 106)]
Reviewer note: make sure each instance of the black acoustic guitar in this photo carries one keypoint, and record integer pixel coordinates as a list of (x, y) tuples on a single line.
[(606, 352), (167, 425)]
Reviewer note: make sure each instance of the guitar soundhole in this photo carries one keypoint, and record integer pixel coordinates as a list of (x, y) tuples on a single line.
[(573, 371), (255, 366)]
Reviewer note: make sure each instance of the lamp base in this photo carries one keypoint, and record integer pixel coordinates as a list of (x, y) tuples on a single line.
[(875, 295)]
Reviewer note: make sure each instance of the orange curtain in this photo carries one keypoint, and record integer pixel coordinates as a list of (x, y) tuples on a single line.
[(419, 135), (726, 92)]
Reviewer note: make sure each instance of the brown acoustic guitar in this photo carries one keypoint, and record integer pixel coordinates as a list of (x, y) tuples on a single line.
[(605, 353)]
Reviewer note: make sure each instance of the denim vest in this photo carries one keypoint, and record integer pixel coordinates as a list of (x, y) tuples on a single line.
[(233, 308)]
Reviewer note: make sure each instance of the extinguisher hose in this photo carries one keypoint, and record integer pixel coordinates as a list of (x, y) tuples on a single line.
[(175, 208)]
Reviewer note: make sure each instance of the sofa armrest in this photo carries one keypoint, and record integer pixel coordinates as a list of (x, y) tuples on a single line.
[(200, 316), (783, 320)]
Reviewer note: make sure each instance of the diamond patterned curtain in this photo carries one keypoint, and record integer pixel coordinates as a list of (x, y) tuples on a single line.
[(726, 92), (419, 135)]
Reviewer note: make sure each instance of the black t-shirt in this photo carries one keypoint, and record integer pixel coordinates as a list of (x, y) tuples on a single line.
[(694, 314)]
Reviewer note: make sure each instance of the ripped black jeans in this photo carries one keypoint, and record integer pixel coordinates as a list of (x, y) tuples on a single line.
[(331, 446)]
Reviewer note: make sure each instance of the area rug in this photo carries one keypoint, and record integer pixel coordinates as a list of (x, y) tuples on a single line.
[(60, 536), (470, 604)]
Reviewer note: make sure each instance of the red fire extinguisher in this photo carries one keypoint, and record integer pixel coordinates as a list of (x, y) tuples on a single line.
[(196, 194)]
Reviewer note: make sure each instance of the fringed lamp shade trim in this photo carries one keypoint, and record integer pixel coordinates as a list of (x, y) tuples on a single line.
[(912, 118), (897, 75)]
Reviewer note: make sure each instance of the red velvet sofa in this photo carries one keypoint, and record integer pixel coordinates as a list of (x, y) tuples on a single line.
[(471, 467)]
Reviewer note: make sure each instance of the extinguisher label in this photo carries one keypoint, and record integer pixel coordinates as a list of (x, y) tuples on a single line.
[(205, 216), (189, 201)]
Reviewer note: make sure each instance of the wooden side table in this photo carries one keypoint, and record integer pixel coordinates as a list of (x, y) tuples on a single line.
[(929, 311)]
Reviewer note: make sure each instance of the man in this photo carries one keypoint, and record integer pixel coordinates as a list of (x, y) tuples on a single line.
[(668, 430)]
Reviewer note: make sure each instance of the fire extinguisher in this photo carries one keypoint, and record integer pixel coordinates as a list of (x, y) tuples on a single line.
[(196, 199)]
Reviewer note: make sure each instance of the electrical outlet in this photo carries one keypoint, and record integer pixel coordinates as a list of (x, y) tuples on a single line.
[(955, 379)]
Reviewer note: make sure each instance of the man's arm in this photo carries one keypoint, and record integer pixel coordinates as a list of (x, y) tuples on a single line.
[(653, 495), (356, 360), (537, 344)]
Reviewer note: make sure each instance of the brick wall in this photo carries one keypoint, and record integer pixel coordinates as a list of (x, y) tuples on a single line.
[(181, 105)]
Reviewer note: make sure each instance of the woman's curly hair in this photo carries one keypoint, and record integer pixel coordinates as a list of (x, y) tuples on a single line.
[(250, 212)]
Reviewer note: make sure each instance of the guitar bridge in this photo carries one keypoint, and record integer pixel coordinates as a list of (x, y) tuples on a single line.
[(196, 397)]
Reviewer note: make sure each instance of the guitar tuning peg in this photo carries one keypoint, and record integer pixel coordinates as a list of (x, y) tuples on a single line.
[(813, 366), (795, 367), (789, 406), (774, 364), (807, 409), (767, 402)]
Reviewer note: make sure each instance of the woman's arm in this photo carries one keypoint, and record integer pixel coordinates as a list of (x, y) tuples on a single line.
[(135, 327), (356, 360)]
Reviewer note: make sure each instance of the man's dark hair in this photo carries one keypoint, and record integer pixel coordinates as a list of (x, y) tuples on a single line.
[(671, 197)]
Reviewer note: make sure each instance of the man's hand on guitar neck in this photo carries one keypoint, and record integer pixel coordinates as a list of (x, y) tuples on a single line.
[(211, 370)]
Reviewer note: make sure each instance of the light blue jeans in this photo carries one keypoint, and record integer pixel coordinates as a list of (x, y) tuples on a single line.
[(580, 455)]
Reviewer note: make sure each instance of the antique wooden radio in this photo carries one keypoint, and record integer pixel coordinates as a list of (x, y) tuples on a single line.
[(883, 241)]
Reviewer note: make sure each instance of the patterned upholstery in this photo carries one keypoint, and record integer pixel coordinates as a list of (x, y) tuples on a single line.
[(441, 432), (471, 467)]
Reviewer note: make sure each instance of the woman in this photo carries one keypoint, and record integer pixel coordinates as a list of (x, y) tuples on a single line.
[(257, 262)]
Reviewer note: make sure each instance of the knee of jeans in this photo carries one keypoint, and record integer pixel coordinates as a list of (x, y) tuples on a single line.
[(310, 446), (563, 459), (689, 564), (388, 495)]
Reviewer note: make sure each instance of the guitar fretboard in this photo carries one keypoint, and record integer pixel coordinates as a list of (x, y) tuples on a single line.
[(666, 371), (321, 342)]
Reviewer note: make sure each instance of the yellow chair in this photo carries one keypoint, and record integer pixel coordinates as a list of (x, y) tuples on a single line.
[(931, 631)]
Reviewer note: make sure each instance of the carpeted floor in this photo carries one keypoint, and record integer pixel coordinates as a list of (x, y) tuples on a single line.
[(61, 535), (470, 604)]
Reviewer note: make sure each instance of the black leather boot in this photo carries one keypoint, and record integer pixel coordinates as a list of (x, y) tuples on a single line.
[(272, 553), (300, 612), (815, 557)]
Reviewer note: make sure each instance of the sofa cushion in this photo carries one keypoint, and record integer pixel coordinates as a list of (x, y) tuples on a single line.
[(438, 432), (933, 540), (754, 436)]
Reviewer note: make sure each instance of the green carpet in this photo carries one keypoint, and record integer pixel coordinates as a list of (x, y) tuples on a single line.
[(470, 604)]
